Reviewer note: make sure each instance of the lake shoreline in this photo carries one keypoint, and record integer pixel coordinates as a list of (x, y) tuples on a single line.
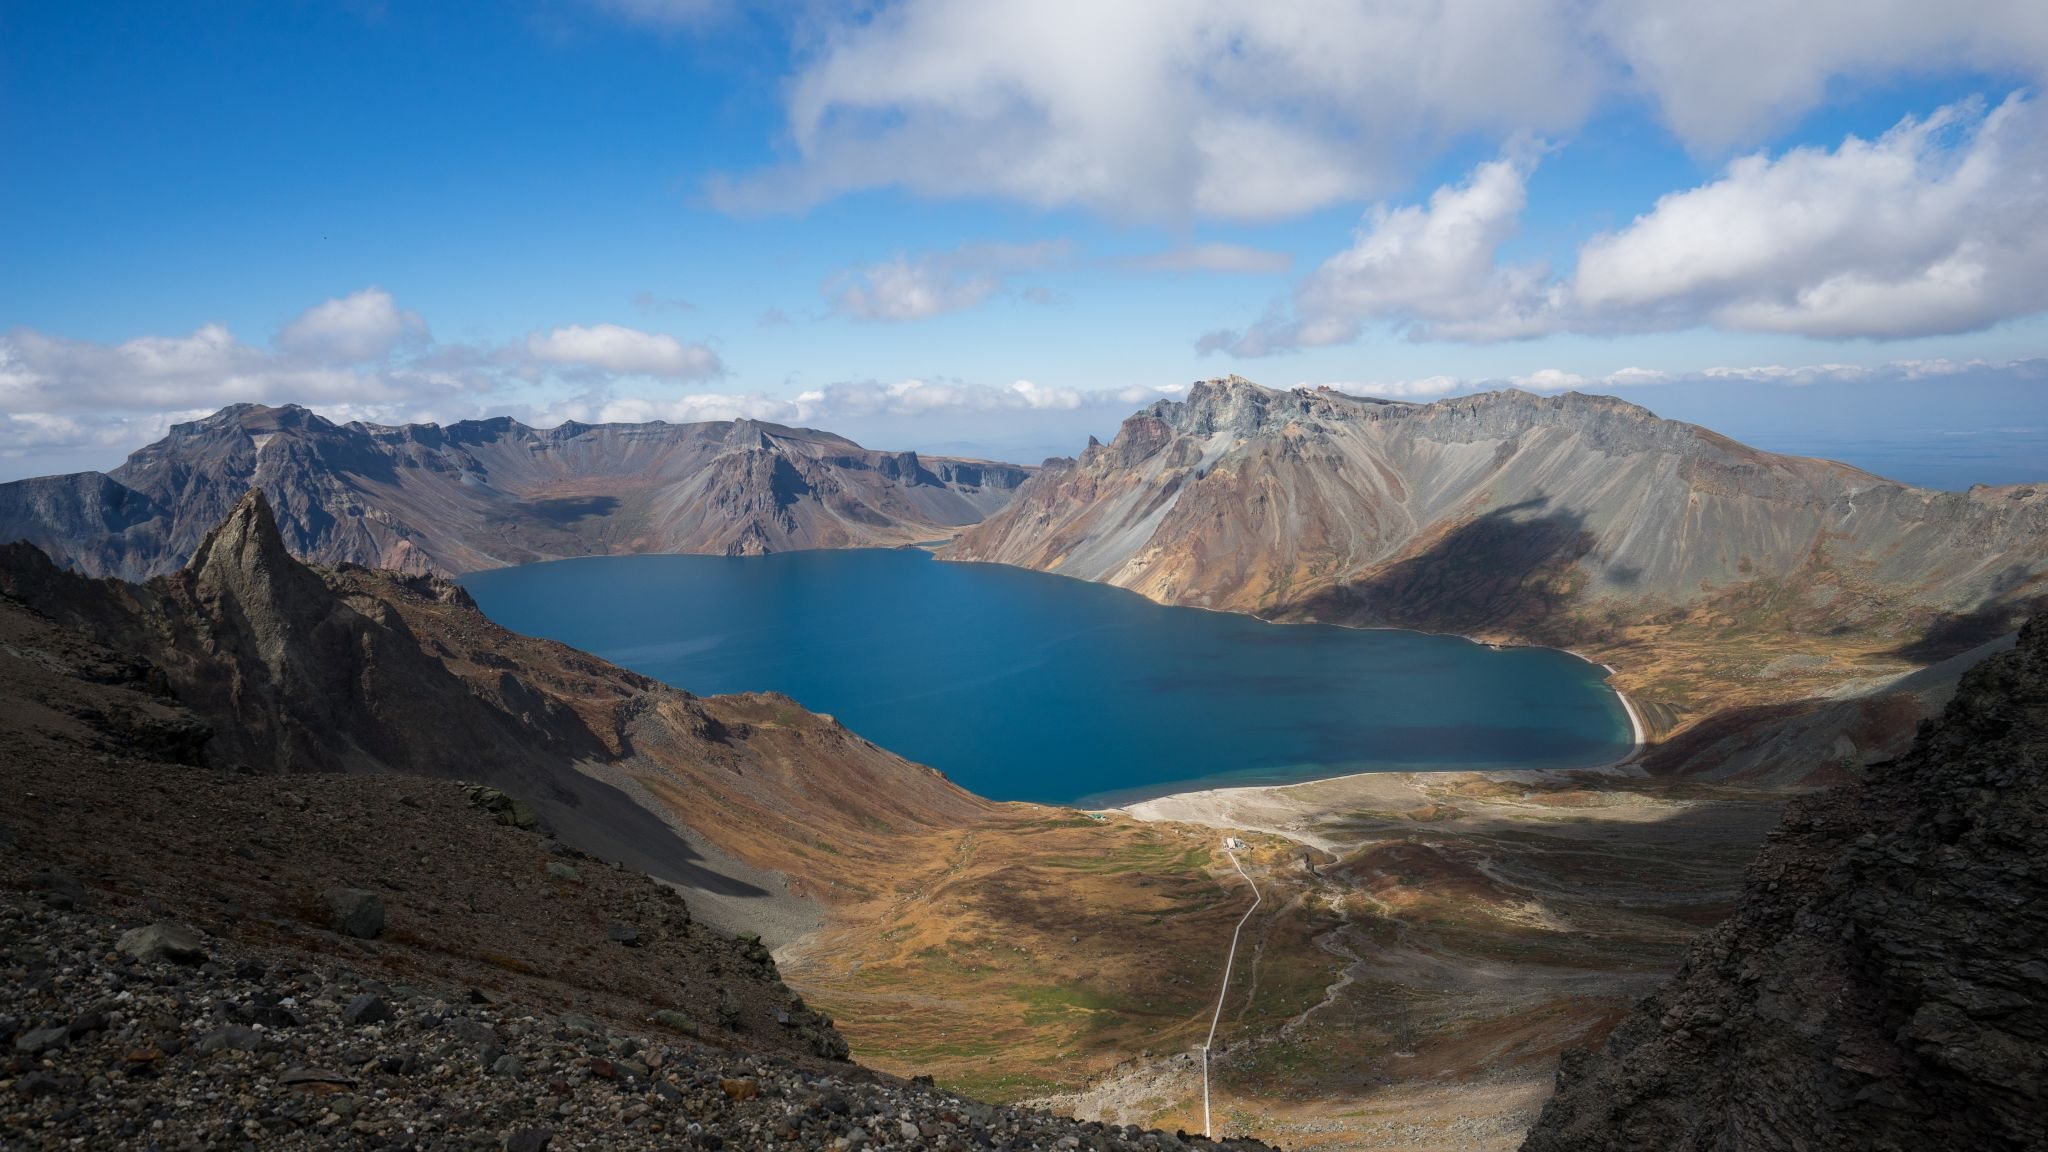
[(1067, 692)]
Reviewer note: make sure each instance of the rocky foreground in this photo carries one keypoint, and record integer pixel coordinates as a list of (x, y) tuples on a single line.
[(1883, 983), (160, 1037)]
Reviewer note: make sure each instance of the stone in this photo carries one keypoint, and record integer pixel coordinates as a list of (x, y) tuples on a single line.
[(740, 1089), (354, 912), (561, 871), (676, 1021), (529, 1140), (367, 1009), (316, 1077), (475, 1033), (37, 1084), (728, 1009), (238, 1037), (36, 1041), (161, 941), (623, 934), (509, 1067)]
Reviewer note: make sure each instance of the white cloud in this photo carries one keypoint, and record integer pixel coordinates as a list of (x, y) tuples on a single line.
[(1939, 226), (935, 283), (1247, 109), (355, 357), (1726, 73), (1431, 269), (352, 329), (1163, 108), (1230, 258), (627, 351)]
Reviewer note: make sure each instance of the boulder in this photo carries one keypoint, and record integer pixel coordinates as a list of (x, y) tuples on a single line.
[(163, 941), (529, 1140), (36, 1041), (354, 912), (366, 1009)]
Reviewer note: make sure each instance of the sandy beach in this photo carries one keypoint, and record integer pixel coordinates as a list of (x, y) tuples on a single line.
[(1296, 811)]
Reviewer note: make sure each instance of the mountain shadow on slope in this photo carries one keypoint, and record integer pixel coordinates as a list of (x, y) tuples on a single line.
[(1510, 569)]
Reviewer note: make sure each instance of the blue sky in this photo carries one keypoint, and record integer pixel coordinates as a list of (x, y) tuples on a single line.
[(997, 226)]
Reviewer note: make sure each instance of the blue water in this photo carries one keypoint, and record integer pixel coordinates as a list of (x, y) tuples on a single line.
[(1024, 686)]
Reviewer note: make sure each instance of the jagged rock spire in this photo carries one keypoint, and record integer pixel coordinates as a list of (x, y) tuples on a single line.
[(247, 541)]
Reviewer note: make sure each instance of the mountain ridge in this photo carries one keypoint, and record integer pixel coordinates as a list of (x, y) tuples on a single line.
[(1574, 521), (487, 493)]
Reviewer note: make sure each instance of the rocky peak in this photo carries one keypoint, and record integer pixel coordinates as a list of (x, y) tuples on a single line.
[(243, 570), (748, 435)]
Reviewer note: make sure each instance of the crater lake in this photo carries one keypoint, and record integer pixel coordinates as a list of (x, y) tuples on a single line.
[(1024, 686)]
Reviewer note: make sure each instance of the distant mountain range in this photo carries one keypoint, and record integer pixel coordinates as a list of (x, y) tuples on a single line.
[(489, 493), (1714, 575)]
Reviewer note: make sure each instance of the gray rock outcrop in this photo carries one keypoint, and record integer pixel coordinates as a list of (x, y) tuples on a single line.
[(1882, 984)]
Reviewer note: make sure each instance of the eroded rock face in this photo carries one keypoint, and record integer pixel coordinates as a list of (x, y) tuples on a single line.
[(1882, 984), (486, 493)]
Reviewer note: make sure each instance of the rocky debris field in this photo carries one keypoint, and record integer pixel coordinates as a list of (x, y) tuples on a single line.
[(112, 1039)]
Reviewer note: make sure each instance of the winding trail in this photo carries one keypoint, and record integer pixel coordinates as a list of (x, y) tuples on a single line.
[(1224, 993)]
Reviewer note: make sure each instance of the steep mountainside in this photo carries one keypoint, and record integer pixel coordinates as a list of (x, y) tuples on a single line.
[(229, 739), (198, 952), (1567, 520), (278, 667), (1881, 985), (482, 494)]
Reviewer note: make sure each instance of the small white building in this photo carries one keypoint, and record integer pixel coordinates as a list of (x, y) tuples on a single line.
[(1233, 844)]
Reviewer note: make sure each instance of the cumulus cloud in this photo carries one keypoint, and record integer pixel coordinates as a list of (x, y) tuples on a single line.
[(1938, 226), (1162, 108), (1723, 74), (935, 283), (1229, 258), (362, 326), (626, 351), (355, 357), (1246, 109), (1430, 268)]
